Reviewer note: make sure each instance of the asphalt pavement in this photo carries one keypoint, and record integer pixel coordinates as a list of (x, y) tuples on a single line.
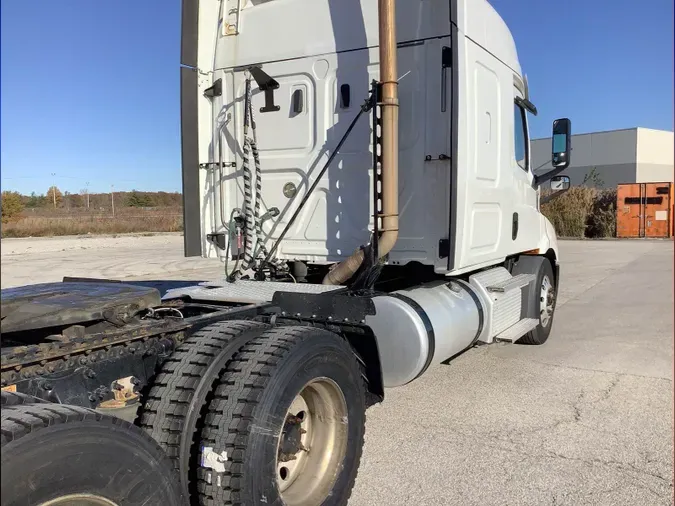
[(586, 419)]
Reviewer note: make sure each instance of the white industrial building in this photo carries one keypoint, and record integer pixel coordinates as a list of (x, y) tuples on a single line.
[(635, 155)]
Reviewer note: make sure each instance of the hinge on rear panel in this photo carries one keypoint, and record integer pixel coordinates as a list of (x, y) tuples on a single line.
[(210, 165), (216, 90), (446, 57), (442, 156), (443, 248)]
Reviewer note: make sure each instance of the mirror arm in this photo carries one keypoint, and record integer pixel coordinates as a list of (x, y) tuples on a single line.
[(553, 196)]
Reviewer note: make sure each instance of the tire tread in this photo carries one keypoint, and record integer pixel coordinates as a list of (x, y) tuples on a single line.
[(230, 416), (534, 337), (17, 399), (21, 420), (167, 402)]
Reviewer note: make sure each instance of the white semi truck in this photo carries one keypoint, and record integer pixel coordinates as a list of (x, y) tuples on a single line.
[(362, 168)]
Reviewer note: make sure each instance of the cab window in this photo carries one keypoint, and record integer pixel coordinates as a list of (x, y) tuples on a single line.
[(520, 136)]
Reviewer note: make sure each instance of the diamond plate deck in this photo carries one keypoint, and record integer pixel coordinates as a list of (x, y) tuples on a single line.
[(518, 330), (245, 291), (518, 281)]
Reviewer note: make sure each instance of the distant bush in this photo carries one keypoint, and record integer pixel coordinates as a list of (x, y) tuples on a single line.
[(128, 220), (602, 220), (85, 199), (139, 199), (583, 212), (12, 206)]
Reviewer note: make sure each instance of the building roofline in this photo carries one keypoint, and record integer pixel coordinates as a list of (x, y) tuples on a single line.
[(593, 133), (610, 131)]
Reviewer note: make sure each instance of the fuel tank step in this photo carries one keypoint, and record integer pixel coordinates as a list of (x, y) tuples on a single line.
[(515, 332), (506, 285), (502, 294)]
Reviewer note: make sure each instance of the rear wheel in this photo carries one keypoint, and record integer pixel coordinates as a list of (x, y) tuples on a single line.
[(53, 454), (174, 403), (286, 425)]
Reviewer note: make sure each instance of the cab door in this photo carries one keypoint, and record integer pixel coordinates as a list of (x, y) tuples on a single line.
[(525, 221)]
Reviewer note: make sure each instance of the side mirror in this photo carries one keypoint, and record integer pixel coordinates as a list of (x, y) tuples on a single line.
[(562, 143), (560, 183)]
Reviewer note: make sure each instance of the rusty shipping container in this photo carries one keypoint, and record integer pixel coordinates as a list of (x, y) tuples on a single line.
[(644, 210)]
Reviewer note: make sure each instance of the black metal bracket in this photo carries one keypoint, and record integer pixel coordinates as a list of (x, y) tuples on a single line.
[(218, 240), (216, 90), (527, 105), (267, 85), (338, 307), (443, 248), (446, 57)]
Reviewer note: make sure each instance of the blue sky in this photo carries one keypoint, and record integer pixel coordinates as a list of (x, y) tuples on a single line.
[(90, 89)]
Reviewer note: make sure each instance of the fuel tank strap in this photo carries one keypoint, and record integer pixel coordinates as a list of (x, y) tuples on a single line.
[(479, 306), (431, 336)]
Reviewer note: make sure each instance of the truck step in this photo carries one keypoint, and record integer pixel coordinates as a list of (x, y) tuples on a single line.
[(506, 285), (515, 332)]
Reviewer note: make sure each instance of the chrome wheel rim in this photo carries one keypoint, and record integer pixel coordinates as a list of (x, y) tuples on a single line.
[(312, 444), (546, 302), (79, 500)]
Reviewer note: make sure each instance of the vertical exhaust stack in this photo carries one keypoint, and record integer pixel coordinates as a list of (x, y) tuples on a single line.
[(389, 107)]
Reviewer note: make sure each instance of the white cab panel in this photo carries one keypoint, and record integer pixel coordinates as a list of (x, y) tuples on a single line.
[(293, 147), (315, 48)]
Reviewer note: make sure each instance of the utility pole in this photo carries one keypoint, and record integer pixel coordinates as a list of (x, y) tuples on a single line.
[(112, 198), (54, 188), (87, 194)]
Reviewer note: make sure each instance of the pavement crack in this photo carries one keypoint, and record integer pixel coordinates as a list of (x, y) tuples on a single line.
[(608, 390), (615, 464), (587, 369), (576, 406)]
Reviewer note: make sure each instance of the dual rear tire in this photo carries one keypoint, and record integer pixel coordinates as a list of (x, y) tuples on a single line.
[(284, 421)]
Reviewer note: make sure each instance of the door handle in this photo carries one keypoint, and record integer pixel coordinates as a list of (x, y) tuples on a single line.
[(297, 102)]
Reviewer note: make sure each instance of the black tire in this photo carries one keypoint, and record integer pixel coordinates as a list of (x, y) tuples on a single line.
[(250, 406), (541, 267), (166, 405), (17, 399), (52, 450)]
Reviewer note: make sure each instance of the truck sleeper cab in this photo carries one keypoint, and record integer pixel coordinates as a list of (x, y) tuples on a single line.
[(311, 131), (466, 192)]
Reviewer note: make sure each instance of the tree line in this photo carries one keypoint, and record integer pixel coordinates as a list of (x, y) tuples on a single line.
[(14, 203)]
